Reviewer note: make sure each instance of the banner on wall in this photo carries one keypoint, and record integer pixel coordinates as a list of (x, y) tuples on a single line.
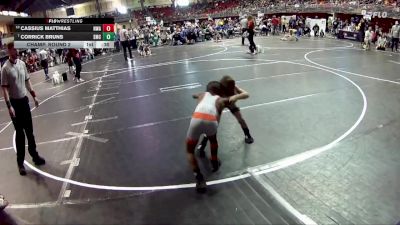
[(311, 23), (371, 14)]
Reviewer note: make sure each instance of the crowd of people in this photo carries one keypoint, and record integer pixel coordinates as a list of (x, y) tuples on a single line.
[(42, 59), (234, 7), (178, 34), (290, 27), (368, 32)]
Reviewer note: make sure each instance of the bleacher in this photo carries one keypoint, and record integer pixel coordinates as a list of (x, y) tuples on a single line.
[(229, 8)]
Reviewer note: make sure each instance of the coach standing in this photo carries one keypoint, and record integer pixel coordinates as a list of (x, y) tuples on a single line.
[(15, 83), (250, 30)]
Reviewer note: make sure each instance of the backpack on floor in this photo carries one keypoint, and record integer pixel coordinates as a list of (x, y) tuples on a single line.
[(64, 76)]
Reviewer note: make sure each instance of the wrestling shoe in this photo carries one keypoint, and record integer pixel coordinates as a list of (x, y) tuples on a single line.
[(248, 139), (21, 170), (201, 186), (39, 161), (215, 165)]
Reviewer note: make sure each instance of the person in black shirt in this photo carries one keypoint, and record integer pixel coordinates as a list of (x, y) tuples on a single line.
[(361, 31), (335, 26), (316, 30)]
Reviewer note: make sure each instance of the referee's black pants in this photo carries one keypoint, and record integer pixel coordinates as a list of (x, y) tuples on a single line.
[(23, 126), (252, 46), (125, 44), (243, 38)]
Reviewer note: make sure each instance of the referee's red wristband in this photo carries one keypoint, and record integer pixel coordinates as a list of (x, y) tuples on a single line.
[(33, 94)]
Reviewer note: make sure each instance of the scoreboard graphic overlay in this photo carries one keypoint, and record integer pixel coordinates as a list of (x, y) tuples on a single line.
[(64, 33)]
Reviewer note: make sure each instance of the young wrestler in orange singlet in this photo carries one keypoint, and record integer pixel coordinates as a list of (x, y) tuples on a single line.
[(205, 120)]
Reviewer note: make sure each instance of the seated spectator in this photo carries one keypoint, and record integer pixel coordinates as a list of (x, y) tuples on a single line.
[(164, 38), (229, 30), (176, 38), (191, 36), (144, 49), (90, 53), (322, 33), (155, 39), (291, 36), (264, 29), (183, 37), (382, 42), (208, 33), (307, 31)]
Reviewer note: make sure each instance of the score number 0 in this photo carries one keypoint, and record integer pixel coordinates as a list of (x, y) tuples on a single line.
[(108, 27)]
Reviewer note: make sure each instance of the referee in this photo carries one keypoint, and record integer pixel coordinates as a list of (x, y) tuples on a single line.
[(124, 37), (244, 25), (43, 55), (15, 83)]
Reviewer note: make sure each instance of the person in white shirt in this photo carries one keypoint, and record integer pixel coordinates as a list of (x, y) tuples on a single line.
[(368, 38), (90, 53), (263, 29), (124, 38), (395, 36), (284, 24), (15, 82), (43, 55)]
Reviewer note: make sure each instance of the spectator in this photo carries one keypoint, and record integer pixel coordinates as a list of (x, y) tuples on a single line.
[(43, 55), (368, 38), (244, 25), (132, 38), (395, 32), (361, 30), (75, 57), (382, 42), (275, 23), (146, 33), (316, 30), (117, 40)]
